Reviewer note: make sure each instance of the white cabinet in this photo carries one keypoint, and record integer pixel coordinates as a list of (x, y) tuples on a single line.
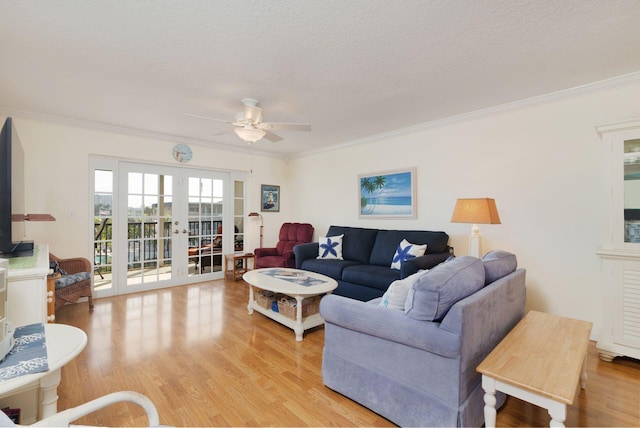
[(27, 291), (620, 249)]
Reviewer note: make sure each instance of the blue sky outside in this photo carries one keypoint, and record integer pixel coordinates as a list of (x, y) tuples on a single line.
[(398, 184)]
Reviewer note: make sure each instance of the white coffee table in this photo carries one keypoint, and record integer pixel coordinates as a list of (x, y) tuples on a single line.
[(260, 279)]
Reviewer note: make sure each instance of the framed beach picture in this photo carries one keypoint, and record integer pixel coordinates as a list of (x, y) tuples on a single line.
[(388, 194), (270, 198)]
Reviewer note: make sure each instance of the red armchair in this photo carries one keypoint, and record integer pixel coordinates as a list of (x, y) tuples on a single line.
[(291, 234)]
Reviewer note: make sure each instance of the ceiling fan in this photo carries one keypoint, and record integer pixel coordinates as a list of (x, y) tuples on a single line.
[(251, 128)]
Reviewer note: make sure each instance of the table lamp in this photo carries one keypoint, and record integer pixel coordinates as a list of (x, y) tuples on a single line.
[(475, 211), (255, 214)]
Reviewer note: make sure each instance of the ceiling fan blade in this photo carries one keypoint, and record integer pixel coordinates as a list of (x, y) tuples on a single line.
[(252, 112), (291, 126), (272, 137), (207, 118)]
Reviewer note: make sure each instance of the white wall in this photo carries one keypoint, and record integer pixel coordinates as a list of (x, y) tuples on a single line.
[(57, 178), (542, 165)]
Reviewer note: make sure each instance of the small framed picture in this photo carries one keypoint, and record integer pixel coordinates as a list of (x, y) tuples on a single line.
[(270, 198)]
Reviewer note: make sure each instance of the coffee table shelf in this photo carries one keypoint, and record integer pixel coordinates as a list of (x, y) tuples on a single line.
[(259, 279), (308, 322)]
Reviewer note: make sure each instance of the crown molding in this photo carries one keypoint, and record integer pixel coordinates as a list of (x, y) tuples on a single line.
[(624, 125), (123, 130), (614, 82)]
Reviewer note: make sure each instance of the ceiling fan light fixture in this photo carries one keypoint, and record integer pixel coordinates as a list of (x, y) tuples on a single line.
[(250, 126), (250, 135)]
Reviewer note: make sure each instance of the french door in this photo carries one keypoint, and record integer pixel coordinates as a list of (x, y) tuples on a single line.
[(168, 226)]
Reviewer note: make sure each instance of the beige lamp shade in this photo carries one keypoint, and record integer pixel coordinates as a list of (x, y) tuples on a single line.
[(476, 210)]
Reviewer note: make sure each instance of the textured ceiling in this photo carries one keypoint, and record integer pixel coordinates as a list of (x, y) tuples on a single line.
[(351, 69)]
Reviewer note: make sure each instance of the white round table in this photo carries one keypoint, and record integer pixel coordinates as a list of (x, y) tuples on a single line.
[(64, 343)]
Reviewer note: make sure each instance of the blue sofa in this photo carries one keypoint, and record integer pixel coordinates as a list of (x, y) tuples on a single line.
[(417, 366), (365, 273)]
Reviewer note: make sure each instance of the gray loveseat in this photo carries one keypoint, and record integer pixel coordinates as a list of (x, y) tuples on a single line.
[(365, 271), (417, 372)]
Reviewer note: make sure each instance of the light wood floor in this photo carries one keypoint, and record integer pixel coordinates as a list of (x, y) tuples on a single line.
[(200, 357)]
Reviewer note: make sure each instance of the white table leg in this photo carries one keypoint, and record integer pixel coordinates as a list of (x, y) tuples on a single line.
[(558, 413), (250, 305), (489, 386), (298, 328), (48, 405)]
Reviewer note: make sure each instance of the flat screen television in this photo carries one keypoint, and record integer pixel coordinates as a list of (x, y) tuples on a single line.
[(12, 191)]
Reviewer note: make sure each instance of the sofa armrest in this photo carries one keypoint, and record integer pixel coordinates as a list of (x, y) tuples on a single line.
[(303, 252), (264, 252), (483, 319), (428, 261), (388, 324)]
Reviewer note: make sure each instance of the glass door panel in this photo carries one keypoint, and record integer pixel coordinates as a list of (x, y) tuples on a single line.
[(103, 180), (632, 191), (206, 209), (238, 215), (149, 233)]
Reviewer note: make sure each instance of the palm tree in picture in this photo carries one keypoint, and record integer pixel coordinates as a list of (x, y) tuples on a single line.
[(366, 185), (374, 188)]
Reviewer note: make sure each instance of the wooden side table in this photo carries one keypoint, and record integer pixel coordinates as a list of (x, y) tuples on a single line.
[(541, 361), (51, 297), (239, 265)]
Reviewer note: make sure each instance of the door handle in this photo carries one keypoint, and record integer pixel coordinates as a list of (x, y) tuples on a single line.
[(176, 231), (184, 230)]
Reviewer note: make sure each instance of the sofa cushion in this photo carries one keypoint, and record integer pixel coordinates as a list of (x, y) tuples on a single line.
[(272, 261), (357, 242), (405, 251), (387, 241), (433, 294), (330, 268), (396, 294), (330, 247), (372, 276), (498, 263)]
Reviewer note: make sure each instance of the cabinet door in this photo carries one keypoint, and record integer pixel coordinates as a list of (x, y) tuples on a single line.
[(626, 327), (27, 301), (27, 291), (621, 157), (620, 250), (631, 190)]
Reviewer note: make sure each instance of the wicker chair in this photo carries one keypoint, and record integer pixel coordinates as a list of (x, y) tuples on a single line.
[(75, 289)]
